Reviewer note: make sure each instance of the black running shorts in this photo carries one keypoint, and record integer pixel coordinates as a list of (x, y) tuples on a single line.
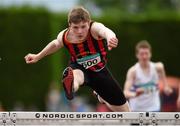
[(103, 83)]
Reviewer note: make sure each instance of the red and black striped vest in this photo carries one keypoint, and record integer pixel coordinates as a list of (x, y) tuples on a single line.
[(91, 54)]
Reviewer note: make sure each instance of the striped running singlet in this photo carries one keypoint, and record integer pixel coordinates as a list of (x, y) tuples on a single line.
[(91, 54)]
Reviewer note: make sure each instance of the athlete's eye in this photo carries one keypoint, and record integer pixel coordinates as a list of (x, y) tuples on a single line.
[(75, 27), (83, 26)]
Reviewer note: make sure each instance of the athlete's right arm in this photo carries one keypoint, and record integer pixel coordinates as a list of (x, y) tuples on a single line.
[(129, 83), (52, 47)]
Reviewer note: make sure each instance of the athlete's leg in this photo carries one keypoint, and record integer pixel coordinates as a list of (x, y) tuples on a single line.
[(108, 90), (122, 108), (98, 97), (78, 79), (116, 108), (72, 79)]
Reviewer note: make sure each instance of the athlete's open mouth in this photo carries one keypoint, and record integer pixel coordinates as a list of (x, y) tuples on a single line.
[(80, 36)]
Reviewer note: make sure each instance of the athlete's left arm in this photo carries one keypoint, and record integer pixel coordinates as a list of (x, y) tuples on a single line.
[(99, 30), (162, 74)]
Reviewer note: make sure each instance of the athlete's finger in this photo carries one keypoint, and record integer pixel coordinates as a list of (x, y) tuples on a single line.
[(112, 44), (30, 61), (26, 57), (114, 40), (109, 48)]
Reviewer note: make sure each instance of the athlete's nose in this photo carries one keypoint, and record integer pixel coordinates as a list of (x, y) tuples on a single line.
[(79, 31)]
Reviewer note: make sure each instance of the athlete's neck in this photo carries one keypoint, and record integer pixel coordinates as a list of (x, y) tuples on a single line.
[(144, 65)]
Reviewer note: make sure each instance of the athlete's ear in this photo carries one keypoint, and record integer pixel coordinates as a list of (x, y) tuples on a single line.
[(69, 24)]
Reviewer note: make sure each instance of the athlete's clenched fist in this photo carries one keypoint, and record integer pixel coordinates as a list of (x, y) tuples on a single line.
[(31, 58), (112, 43)]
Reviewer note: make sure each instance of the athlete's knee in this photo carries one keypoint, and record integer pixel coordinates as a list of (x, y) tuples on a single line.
[(76, 86), (78, 79), (119, 108), (78, 76), (123, 107), (100, 99)]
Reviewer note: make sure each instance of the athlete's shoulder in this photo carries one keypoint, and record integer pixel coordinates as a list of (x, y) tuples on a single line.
[(96, 25), (132, 69), (96, 29), (59, 39), (130, 74), (61, 33), (159, 65)]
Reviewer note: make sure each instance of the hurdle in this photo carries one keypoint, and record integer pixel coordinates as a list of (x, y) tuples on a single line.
[(90, 118)]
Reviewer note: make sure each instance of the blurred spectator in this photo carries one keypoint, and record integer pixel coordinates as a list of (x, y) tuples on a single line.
[(53, 98), (32, 108), (18, 106), (56, 101), (102, 108), (79, 104), (64, 103)]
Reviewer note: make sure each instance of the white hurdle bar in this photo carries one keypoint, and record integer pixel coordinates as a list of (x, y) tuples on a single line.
[(90, 118)]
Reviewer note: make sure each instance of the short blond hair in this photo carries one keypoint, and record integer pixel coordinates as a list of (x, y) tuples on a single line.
[(78, 14), (143, 44)]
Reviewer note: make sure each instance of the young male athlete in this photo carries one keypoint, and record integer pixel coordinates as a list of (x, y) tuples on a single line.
[(141, 85), (86, 42)]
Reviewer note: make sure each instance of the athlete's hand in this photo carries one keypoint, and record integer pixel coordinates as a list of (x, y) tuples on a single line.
[(112, 43), (139, 91), (168, 90), (31, 58)]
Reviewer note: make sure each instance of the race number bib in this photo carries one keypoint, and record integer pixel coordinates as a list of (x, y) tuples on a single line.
[(89, 61), (148, 88)]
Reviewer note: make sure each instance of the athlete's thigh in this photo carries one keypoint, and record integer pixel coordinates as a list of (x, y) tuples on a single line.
[(78, 76), (78, 73), (107, 87)]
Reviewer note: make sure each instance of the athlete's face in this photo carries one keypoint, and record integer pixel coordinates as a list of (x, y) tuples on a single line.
[(80, 30), (143, 55)]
